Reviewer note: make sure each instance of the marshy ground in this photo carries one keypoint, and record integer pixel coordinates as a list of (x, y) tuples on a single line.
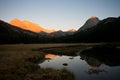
[(19, 61)]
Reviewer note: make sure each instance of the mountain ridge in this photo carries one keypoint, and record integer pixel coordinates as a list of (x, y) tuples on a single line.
[(28, 25), (106, 30)]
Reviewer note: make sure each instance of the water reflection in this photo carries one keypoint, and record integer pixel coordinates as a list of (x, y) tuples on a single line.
[(95, 70), (97, 63), (94, 65), (101, 55), (71, 57), (49, 56), (97, 56)]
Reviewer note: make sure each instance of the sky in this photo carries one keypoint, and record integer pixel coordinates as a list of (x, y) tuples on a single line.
[(58, 14)]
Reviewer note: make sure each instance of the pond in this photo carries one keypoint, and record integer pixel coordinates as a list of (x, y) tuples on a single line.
[(90, 64)]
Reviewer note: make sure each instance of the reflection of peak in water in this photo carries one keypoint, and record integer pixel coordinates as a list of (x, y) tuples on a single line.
[(98, 55), (95, 70), (94, 65), (50, 56), (92, 61)]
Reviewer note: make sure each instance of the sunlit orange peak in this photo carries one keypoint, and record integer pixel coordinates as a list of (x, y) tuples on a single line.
[(92, 17), (27, 25), (71, 30)]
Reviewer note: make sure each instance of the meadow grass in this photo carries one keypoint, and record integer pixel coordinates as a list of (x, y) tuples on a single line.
[(28, 47), (19, 61), (22, 65)]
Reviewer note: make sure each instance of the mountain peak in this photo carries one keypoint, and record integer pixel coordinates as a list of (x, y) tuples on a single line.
[(92, 21), (93, 17), (26, 21), (71, 30), (28, 25), (16, 19), (17, 22)]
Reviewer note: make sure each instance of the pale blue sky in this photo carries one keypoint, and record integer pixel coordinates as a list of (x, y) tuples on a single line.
[(58, 14)]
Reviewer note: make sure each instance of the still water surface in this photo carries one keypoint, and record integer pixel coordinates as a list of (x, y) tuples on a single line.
[(85, 67)]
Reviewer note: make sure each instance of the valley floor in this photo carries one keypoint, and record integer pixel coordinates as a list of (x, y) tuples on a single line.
[(26, 47), (18, 61)]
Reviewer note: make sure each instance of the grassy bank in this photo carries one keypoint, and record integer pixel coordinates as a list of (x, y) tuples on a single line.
[(18, 62), (28, 47), (21, 65)]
